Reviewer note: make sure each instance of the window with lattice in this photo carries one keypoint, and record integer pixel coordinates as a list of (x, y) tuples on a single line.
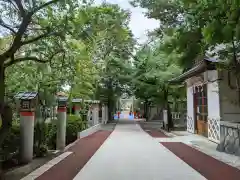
[(201, 102)]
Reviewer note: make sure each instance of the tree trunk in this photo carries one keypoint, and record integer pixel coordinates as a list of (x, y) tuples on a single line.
[(147, 110), (5, 111), (167, 107), (2, 83)]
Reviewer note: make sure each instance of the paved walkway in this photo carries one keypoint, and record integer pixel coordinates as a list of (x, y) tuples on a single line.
[(130, 153)]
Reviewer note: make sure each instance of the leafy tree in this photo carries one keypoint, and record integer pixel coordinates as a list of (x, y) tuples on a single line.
[(110, 36), (31, 31), (199, 28), (153, 69)]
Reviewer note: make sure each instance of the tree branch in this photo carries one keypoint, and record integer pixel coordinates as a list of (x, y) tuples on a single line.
[(17, 40), (44, 5), (3, 24), (31, 58), (14, 5), (27, 17), (35, 59), (20, 7), (35, 39)]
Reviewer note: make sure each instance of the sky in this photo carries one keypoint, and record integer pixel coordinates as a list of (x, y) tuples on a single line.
[(139, 24)]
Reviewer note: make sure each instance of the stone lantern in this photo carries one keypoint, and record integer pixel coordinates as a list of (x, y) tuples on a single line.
[(28, 104)]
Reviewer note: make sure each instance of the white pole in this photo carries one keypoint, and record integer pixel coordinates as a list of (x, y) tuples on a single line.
[(165, 118), (61, 128), (27, 136), (103, 114)]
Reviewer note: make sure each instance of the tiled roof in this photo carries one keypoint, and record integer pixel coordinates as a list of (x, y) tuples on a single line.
[(26, 95), (76, 100), (61, 98)]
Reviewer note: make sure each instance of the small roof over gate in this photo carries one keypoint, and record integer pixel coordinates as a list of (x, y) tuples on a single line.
[(205, 64), (26, 95)]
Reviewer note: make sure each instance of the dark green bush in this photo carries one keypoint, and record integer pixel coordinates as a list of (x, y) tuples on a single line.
[(51, 135), (10, 147), (74, 125), (40, 134), (44, 138)]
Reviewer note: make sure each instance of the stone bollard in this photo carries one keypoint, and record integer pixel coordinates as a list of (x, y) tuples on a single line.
[(27, 136), (106, 114), (61, 128), (165, 119), (95, 117), (103, 114)]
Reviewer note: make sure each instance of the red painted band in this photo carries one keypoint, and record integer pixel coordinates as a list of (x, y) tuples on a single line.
[(62, 109), (26, 113), (76, 107)]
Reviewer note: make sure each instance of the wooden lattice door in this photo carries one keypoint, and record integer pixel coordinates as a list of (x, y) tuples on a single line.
[(200, 107)]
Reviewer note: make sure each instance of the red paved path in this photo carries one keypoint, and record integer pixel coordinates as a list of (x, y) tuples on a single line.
[(210, 168), (83, 150), (154, 132)]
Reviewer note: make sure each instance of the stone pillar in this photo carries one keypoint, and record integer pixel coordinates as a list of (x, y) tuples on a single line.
[(89, 117), (27, 136), (165, 118), (61, 128), (106, 114), (103, 114), (95, 117)]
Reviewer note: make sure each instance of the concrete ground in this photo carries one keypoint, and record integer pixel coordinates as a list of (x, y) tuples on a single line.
[(202, 144), (130, 153)]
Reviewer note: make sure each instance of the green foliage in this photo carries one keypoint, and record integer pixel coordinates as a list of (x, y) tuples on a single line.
[(74, 125), (44, 138), (40, 133), (51, 135), (196, 26), (11, 144), (64, 43), (154, 68)]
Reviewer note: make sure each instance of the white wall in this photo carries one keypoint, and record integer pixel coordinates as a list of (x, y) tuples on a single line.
[(230, 110), (213, 95), (213, 106), (190, 111)]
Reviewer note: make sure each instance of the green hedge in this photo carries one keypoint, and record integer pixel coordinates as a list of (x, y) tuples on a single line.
[(11, 144), (74, 125), (44, 138)]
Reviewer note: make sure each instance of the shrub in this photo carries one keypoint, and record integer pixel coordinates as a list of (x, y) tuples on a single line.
[(45, 136), (40, 134), (51, 135), (10, 147), (73, 126)]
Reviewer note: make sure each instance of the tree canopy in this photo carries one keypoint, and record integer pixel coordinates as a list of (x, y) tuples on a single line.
[(196, 26), (48, 45)]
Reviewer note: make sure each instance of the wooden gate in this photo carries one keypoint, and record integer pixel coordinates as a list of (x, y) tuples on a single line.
[(200, 108)]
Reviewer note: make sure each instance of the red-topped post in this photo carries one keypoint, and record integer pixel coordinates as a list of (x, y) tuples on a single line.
[(28, 102), (61, 123), (76, 105), (77, 110)]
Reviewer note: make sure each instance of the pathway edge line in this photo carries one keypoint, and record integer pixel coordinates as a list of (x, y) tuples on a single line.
[(39, 171)]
